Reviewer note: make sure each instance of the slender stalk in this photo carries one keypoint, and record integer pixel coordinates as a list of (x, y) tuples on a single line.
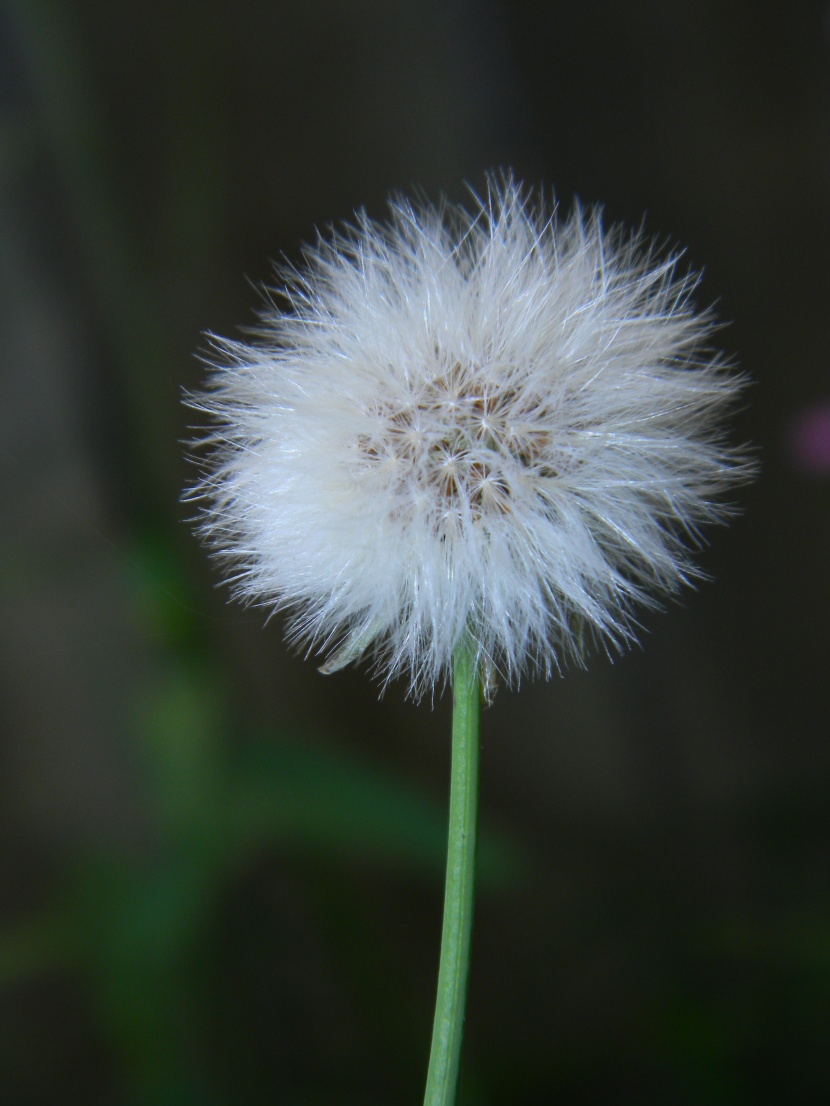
[(458, 892)]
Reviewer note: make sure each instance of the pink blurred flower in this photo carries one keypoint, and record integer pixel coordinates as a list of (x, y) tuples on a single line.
[(809, 440)]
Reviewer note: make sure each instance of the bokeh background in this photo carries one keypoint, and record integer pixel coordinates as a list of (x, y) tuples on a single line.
[(221, 873)]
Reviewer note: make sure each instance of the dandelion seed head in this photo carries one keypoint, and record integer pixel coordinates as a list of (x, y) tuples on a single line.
[(499, 422)]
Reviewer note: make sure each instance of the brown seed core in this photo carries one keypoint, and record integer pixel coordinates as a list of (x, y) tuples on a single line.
[(464, 440)]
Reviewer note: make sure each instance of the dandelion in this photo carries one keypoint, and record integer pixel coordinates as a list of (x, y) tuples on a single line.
[(497, 423), (470, 445)]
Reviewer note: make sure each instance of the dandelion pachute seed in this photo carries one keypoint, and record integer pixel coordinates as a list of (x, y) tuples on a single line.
[(498, 421)]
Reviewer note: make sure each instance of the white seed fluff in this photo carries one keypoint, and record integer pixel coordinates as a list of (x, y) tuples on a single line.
[(500, 422)]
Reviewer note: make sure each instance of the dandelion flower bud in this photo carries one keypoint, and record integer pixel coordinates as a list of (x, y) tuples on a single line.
[(499, 422)]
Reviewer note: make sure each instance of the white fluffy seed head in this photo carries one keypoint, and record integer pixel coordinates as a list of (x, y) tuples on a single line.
[(496, 422)]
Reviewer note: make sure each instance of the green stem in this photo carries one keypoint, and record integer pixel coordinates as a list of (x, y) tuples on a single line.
[(458, 893)]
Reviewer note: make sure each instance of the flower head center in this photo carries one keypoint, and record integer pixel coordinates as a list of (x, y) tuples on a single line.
[(463, 441)]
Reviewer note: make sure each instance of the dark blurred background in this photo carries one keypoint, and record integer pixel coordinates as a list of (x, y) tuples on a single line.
[(221, 873)]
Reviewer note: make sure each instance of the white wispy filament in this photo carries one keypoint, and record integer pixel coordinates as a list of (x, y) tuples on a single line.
[(498, 422)]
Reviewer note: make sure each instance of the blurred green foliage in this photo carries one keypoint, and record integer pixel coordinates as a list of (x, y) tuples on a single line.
[(135, 927)]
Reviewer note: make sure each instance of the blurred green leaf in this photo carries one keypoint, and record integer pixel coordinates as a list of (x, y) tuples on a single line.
[(181, 724), (162, 601), (238, 800), (304, 794)]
